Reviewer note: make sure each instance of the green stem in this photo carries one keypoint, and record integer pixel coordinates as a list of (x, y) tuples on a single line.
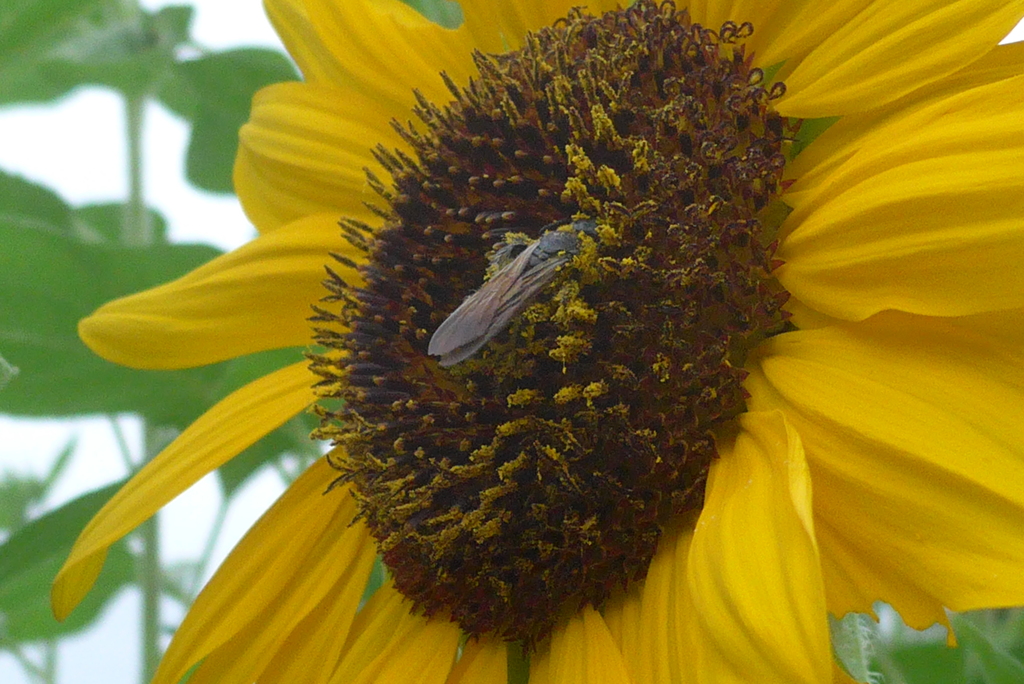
[(50, 662), (150, 582), (137, 229), (122, 444), (211, 542), (34, 672)]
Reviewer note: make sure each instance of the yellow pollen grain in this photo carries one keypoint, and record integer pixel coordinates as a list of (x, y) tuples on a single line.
[(575, 310), (641, 157), (570, 348), (489, 529), (524, 397), (609, 235), (510, 428), (552, 453), (578, 159), (595, 389), (483, 454), (662, 367), (568, 393), (607, 177), (603, 127)]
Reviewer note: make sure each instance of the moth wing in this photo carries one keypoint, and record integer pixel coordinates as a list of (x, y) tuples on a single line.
[(488, 311)]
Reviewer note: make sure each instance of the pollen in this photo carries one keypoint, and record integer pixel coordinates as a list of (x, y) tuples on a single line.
[(535, 475)]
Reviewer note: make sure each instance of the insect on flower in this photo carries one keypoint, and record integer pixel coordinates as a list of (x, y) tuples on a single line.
[(489, 310)]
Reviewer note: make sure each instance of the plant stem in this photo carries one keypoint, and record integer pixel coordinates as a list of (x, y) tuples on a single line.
[(150, 578), (50, 661), (137, 229), (211, 542)]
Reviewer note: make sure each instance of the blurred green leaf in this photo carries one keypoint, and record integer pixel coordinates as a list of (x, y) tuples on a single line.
[(378, 576), (215, 93), (26, 203), (102, 223), (7, 372), (809, 131), (992, 664), (58, 266), (29, 31), (52, 46), (20, 494), (48, 282), (30, 559), (444, 12), (928, 663), (292, 437)]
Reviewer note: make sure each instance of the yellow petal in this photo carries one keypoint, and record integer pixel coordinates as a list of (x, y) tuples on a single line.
[(292, 24), (890, 49), (499, 26), (925, 217), (270, 586), (255, 298), (754, 575), (913, 435), (391, 645), (845, 137), (229, 427), (384, 49), (311, 652), (581, 651), (654, 626), (794, 28), (483, 661), (713, 13), (305, 150)]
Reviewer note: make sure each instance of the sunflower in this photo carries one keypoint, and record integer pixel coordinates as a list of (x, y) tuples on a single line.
[(746, 348)]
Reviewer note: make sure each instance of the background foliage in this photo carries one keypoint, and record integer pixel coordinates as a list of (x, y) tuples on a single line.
[(59, 262)]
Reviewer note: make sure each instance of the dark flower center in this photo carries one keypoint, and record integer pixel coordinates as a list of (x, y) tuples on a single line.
[(634, 159)]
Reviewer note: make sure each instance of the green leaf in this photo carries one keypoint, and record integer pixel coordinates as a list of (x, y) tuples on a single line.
[(48, 282), (995, 665), (290, 438), (809, 131), (7, 372), (102, 223), (24, 202), (216, 92), (29, 560), (928, 663), (443, 12), (61, 44), (853, 639), (378, 575), (18, 494)]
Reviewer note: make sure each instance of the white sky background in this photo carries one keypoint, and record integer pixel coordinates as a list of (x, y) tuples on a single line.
[(77, 147)]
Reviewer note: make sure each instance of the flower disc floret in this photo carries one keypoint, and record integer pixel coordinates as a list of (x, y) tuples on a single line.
[(536, 476)]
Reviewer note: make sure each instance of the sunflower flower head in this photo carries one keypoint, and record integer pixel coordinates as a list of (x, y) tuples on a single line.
[(535, 476), (641, 360)]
